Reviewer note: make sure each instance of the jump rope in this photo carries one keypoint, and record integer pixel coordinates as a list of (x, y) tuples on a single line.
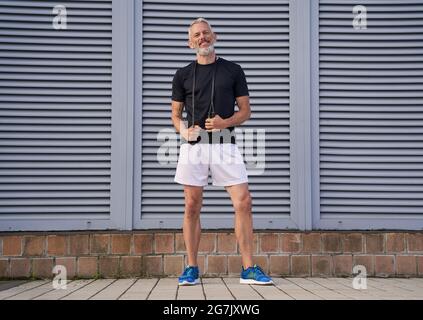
[(211, 112)]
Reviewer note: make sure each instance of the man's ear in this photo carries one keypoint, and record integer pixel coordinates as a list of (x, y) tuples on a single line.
[(190, 45)]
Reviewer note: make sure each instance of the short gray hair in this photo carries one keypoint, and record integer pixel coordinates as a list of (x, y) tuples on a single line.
[(198, 20)]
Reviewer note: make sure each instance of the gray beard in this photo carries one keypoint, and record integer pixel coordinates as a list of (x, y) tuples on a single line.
[(205, 51)]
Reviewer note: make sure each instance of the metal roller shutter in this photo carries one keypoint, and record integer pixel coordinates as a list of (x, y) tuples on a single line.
[(371, 114), (254, 34), (55, 111)]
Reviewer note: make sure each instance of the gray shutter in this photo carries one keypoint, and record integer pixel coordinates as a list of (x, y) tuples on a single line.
[(371, 114), (254, 34), (55, 111)]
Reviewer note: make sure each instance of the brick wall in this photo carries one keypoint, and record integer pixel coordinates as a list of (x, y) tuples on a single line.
[(162, 253)]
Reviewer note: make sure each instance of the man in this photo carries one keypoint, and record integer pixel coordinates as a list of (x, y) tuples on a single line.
[(208, 89)]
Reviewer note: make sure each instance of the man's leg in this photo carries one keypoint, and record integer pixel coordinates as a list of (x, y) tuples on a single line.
[(241, 200), (192, 226)]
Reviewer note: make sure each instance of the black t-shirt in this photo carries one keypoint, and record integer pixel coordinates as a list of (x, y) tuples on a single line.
[(230, 83)]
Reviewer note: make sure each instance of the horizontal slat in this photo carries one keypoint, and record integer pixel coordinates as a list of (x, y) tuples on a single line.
[(51, 210), (34, 11), (264, 210), (362, 210), (46, 187), (48, 195), (268, 180), (397, 190), (374, 197), (55, 165)]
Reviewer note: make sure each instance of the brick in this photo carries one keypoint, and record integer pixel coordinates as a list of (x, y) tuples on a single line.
[(12, 246), (100, 244), (234, 265), (78, 245), (290, 242), (152, 265), (406, 265), (179, 243), (269, 242), (20, 268), (331, 242), (56, 245), (217, 265), (143, 243), (420, 265), (261, 261), (108, 267), (121, 244), (384, 266), (4, 269), (70, 264), (173, 265), (42, 268), (207, 243), (256, 241), (342, 265), (226, 243), (300, 265), (367, 261), (395, 242), (34, 246), (201, 262), (312, 243), (415, 242), (164, 243), (321, 266), (374, 243), (279, 265), (130, 266), (87, 267), (353, 242)]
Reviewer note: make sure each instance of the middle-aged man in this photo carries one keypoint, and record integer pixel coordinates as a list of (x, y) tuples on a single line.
[(208, 89)]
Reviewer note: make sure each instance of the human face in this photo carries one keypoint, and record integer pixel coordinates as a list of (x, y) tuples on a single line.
[(202, 39)]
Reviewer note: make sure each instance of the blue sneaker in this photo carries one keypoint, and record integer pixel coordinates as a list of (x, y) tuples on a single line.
[(254, 275), (189, 277)]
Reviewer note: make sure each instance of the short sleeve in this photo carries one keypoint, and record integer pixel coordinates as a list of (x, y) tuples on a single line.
[(240, 87), (178, 92)]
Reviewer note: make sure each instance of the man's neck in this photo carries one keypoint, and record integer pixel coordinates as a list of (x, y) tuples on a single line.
[(206, 59)]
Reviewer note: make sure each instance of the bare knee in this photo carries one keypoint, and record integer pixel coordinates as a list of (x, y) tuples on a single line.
[(243, 203), (193, 207)]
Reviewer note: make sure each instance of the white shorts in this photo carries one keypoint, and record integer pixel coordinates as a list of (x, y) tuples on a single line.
[(223, 160)]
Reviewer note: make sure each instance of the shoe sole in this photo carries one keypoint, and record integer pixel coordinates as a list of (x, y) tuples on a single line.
[(186, 283), (252, 281)]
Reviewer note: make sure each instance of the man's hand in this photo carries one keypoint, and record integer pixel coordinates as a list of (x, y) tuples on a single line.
[(215, 124), (192, 133)]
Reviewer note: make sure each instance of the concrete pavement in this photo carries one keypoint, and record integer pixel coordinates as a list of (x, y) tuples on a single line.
[(216, 289)]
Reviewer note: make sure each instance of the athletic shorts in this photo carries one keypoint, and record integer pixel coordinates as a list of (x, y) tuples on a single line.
[(224, 162)]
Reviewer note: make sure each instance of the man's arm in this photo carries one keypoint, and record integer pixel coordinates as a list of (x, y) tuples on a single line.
[(238, 117), (242, 115), (178, 123), (190, 134)]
